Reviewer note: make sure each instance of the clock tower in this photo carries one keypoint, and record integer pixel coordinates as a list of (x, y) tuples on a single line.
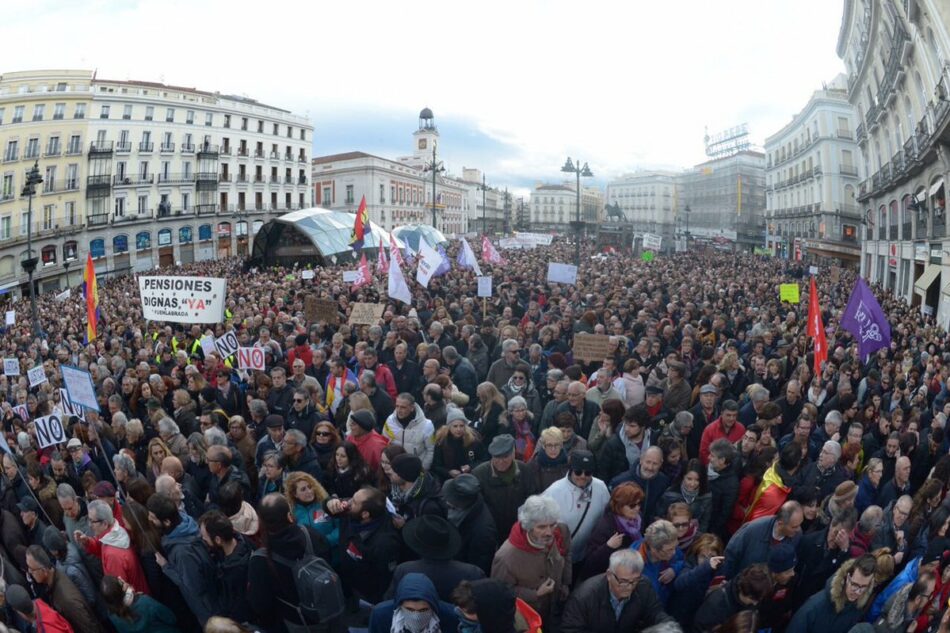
[(424, 139)]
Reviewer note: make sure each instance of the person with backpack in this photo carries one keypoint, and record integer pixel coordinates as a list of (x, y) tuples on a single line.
[(291, 588)]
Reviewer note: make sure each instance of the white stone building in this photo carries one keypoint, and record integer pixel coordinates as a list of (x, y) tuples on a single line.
[(648, 200), (899, 84), (554, 206), (812, 173)]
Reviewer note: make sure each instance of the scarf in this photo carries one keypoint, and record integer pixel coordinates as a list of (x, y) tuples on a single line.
[(711, 473), (457, 515), (689, 497), (546, 462), (687, 539), (524, 438), (631, 448), (630, 527), (519, 540), (400, 496), (516, 389), (415, 621)]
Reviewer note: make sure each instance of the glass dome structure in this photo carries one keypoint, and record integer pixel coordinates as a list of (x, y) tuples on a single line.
[(412, 233), (314, 235)]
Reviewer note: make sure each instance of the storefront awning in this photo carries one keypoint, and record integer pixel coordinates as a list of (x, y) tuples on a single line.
[(936, 187), (926, 279)]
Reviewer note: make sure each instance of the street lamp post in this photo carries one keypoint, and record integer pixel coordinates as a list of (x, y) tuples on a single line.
[(33, 178), (687, 212), (579, 171), (435, 167), (484, 208)]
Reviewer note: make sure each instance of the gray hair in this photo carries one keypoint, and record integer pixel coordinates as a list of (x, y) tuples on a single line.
[(167, 426), (298, 437), (872, 519), (450, 353), (136, 426), (164, 485), (100, 511), (905, 501), (758, 393), (368, 378), (681, 420), (509, 344), (258, 408), (517, 402), (65, 492), (629, 559), (118, 418), (214, 436), (124, 462), (555, 374), (660, 533), (537, 509), (834, 417)]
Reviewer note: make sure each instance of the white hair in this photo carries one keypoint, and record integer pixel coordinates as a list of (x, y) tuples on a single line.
[(629, 559), (537, 509)]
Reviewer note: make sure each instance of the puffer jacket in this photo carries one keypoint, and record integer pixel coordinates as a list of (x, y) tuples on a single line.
[(189, 567), (828, 610), (417, 436)]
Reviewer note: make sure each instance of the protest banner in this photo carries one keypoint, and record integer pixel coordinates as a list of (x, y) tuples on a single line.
[(535, 239), (315, 310), (63, 295), (562, 273), (79, 387), (484, 286), (11, 367), (788, 292), (366, 313), (591, 347), (49, 431), (226, 344), (37, 376), (251, 358), (307, 274), (69, 409), (349, 276), (183, 299), (11, 317), (813, 270), (652, 242)]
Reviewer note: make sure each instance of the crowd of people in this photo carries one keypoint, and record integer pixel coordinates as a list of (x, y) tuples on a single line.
[(453, 467)]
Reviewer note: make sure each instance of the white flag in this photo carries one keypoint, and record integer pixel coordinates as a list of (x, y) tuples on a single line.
[(429, 262), (466, 258), (397, 283)]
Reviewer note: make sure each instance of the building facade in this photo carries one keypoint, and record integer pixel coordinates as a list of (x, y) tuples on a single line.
[(723, 200), (397, 191), (491, 207), (553, 207), (138, 174), (648, 201), (812, 174), (899, 84)]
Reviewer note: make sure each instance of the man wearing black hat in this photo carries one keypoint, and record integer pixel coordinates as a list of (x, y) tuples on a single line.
[(776, 610), (468, 513), (414, 492), (437, 543), (30, 517), (270, 443), (505, 483), (582, 499), (659, 413)]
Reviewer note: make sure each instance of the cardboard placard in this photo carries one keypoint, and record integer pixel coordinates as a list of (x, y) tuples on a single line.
[(315, 310), (80, 388), (49, 431), (366, 313), (68, 408), (652, 242), (562, 273), (591, 347), (11, 317), (349, 276), (183, 299), (37, 376), (207, 345), (813, 270), (788, 292), (227, 344), (307, 274), (835, 274), (22, 411)]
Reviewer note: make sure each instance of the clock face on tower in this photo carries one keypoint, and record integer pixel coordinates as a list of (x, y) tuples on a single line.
[(422, 143)]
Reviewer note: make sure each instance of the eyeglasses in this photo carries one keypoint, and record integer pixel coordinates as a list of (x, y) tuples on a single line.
[(681, 525), (299, 400), (583, 473), (858, 588), (624, 582), (323, 434)]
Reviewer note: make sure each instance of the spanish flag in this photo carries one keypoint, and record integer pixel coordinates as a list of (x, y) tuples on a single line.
[(91, 293), (359, 226)]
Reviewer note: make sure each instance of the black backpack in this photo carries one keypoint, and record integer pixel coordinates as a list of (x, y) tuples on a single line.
[(319, 590)]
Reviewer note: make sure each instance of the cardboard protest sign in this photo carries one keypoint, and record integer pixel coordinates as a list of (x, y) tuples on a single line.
[(251, 358), (484, 286), (68, 408), (11, 317), (562, 273), (37, 376), (788, 292), (11, 366), (49, 430), (226, 344), (315, 310), (366, 313), (591, 347), (80, 388)]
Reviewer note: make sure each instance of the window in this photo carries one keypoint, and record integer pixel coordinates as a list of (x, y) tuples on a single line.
[(120, 244), (59, 111), (190, 117), (97, 248), (303, 135), (70, 212), (49, 211), (49, 180), (204, 232), (80, 111), (6, 222), (290, 131), (104, 112), (349, 194), (149, 113), (32, 148), (185, 201), (24, 221), (18, 114), (227, 120), (209, 119), (170, 115), (244, 123), (143, 241), (49, 255), (72, 177), (52, 146), (7, 187), (74, 145), (184, 235), (382, 194), (2, 112), (186, 170), (127, 111), (143, 169), (69, 251), (143, 205), (120, 207), (260, 126), (327, 195)]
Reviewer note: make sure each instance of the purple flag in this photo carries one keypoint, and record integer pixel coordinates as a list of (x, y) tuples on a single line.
[(445, 266), (866, 321)]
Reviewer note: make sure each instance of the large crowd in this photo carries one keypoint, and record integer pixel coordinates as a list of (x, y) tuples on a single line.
[(453, 467)]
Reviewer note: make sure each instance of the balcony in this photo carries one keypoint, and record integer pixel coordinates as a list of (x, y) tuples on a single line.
[(242, 152), (176, 179), (206, 209), (302, 159), (224, 178), (860, 134), (146, 147), (73, 150), (167, 148), (31, 154), (100, 181), (302, 180), (208, 150), (187, 148), (259, 154), (123, 147), (288, 180), (71, 184), (207, 180), (242, 179), (7, 197), (52, 151), (275, 155), (848, 170), (97, 219), (259, 179), (225, 150), (133, 181), (275, 179)]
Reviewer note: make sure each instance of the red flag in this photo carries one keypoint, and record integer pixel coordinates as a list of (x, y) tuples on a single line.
[(394, 250), (816, 328), (365, 276), (489, 254), (360, 226)]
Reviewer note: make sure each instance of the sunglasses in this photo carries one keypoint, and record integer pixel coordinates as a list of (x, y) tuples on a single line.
[(583, 473), (299, 400), (323, 434), (681, 525)]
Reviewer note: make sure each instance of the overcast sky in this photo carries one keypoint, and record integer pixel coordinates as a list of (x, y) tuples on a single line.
[(515, 86)]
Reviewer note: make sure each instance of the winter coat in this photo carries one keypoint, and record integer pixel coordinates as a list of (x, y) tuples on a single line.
[(724, 491), (425, 499), (452, 453), (417, 436), (479, 537), (826, 482), (489, 424), (304, 421), (597, 552), (816, 563), (151, 617), (465, 377), (118, 558), (53, 622), (907, 576), (716, 431), (589, 609), (719, 605), (867, 495), (612, 458), (689, 591), (270, 582), (189, 567), (653, 569), (653, 489), (524, 567), (751, 545), (370, 445), (405, 377), (231, 573), (307, 463), (545, 475), (369, 554), (504, 494), (579, 515), (414, 586), (69, 602), (895, 618), (444, 574), (74, 568), (313, 516), (384, 379), (701, 507), (828, 610)]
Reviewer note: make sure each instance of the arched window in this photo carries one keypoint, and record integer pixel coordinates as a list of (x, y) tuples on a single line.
[(165, 237), (185, 235), (69, 251), (49, 255), (224, 229), (143, 241), (204, 232), (120, 244), (97, 248)]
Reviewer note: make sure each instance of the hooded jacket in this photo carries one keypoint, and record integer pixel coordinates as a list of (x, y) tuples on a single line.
[(653, 569), (118, 558), (189, 567), (829, 611), (413, 587), (63, 596), (417, 436)]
